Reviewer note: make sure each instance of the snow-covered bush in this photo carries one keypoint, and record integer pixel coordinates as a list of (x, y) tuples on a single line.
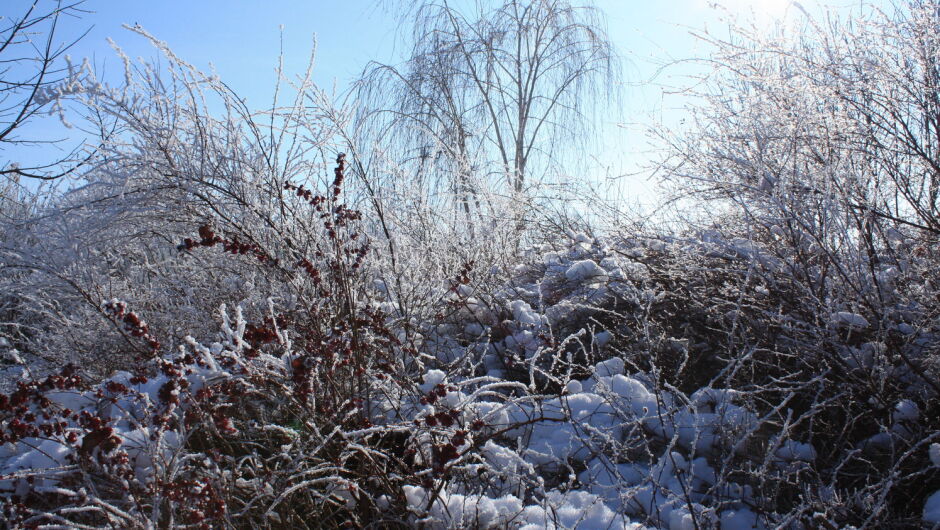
[(814, 141), (801, 411), (179, 150), (674, 382)]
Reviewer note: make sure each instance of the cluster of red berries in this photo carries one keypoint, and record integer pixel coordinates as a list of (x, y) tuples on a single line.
[(133, 324), (437, 392), (255, 336), (339, 174), (208, 238), (100, 437), (311, 270), (202, 502), (443, 418), (462, 277), (27, 412)]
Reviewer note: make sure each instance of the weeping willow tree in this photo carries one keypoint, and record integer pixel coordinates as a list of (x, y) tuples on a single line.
[(492, 97)]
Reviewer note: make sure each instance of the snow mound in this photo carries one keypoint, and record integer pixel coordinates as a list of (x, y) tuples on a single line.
[(932, 508), (847, 318), (580, 271)]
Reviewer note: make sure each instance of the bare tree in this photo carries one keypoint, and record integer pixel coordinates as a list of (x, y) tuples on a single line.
[(504, 92), (33, 78)]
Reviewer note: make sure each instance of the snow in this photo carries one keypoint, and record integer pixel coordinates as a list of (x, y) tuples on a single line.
[(740, 519), (602, 338), (432, 378), (522, 312), (580, 271), (610, 380), (610, 367), (576, 510), (12, 356), (932, 508), (656, 245), (791, 450), (505, 459), (905, 410), (474, 329), (633, 392), (606, 446), (454, 510), (848, 318), (553, 441)]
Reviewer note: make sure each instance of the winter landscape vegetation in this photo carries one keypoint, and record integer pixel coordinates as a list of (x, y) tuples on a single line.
[(419, 300)]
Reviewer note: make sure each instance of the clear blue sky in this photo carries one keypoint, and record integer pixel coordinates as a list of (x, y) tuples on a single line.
[(241, 39)]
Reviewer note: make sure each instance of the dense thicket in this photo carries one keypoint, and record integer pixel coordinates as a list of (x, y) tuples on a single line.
[(263, 334)]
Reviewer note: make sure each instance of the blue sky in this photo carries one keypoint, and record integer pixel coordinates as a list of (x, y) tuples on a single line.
[(242, 38)]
